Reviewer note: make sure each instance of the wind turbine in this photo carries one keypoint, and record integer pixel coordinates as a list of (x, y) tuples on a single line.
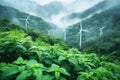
[(64, 34), (80, 33), (26, 21), (101, 30), (64, 31), (49, 32)]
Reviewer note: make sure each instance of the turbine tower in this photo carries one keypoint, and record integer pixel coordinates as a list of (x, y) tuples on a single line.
[(64, 31), (101, 30), (80, 33), (49, 32), (26, 21), (64, 34)]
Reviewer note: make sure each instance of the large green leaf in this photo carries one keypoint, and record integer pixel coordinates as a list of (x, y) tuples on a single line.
[(21, 68), (61, 58), (3, 66), (47, 77), (20, 46), (62, 78), (57, 70), (24, 75), (57, 75), (53, 68), (63, 71), (73, 61), (10, 71), (33, 64), (20, 61), (38, 74), (85, 76)]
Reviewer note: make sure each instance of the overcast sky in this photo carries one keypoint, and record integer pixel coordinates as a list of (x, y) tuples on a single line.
[(42, 2), (71, 6)]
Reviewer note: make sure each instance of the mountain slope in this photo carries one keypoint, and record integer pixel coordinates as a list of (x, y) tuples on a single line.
[(101, 6), (33, 8), (48, 10), (93, 41), (16, 17)]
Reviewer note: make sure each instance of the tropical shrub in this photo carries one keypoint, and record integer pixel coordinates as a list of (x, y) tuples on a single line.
[(22, 58)]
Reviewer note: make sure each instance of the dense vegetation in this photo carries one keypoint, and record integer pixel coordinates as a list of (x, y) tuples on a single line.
[(108, 43), (33, 55)]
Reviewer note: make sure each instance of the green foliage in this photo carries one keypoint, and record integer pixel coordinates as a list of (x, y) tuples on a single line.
[(24, 57), (5, 25), (12, 45), (42, 38), (57, 71), (23, 69)]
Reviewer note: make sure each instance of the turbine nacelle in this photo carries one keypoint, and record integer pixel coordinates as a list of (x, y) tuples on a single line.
[(101, 30)]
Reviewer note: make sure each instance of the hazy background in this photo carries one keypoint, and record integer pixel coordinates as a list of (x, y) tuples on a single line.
[(68, 7)]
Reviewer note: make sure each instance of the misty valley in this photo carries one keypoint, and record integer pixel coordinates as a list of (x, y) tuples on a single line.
[(59, 40)]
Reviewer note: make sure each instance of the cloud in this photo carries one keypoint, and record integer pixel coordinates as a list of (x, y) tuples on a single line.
[(81, 5), (42, 2), (70, 6)]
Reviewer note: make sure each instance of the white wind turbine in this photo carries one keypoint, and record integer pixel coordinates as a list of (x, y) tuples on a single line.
[(64, 34), (49, 32), (64, 31), (26, 21), (101, 30), (80, 33)]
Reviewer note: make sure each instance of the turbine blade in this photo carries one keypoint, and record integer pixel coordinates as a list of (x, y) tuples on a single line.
[(78, 33), (80, 24), (27, 22), (27, 17), (103, 27), (22, 19), (85, 30)]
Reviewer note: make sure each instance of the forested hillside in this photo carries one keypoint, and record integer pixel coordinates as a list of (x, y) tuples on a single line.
[(18, 18), (107, 41), (29, 6), (96, 8), (101, 6)]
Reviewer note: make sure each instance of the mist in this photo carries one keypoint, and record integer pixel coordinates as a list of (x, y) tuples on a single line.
[(69, 6), (66, 7), (60, 9), (112, 3)]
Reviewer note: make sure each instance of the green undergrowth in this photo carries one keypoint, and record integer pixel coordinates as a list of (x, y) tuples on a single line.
[(22, 58), (33, 55)]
